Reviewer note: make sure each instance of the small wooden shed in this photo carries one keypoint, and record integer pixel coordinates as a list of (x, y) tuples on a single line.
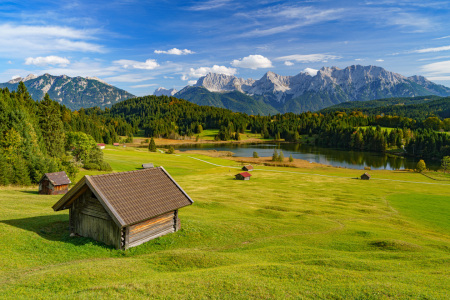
[(247, 168), (243, 176), (124, 209), (116, 144), (365, 176), (147, 166), (54, 183), (101, 145)]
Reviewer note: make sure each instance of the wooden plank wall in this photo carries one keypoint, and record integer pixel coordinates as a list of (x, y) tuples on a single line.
[(90, 219), (151, 229)]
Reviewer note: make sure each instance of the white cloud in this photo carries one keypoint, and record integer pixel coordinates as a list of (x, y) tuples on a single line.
[(128, 78), (175, 51), (310, 71), (309, 58), (288, 63), (438, 68), (48, 60), (252, 62), (203, 71), (192, 82), (428, 50), (139, 86), (15, 76), (184, 77), (359, 59), (208, 5), (149, 64), (25, 40), (10, 62), (438, 78), (288, 17), (380, 60)]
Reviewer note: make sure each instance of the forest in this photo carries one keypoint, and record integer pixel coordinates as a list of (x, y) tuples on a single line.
[(45, 136)]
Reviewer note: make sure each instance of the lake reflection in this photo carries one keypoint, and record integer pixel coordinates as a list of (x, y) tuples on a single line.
[(326, 156)]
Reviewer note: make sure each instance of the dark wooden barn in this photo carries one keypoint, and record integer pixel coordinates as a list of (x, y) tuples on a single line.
[(54, 183), (243, 176), (147, 166), (125, 209), (365, 176), (247, 168)]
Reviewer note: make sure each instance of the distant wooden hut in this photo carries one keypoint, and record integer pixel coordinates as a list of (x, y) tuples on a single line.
[(247, 168), (54, 183), (147, 166), (116, 144), (365, 176), (124, 209), (101, 145), (243, 176)]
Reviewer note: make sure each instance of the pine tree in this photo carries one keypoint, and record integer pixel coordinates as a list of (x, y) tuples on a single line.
[(51, 126), (152, 145), (275, 155), (255, 154), (281, 156), (291, 159)]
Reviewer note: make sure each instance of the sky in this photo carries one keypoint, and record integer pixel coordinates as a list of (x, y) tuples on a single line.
[(142, 45)]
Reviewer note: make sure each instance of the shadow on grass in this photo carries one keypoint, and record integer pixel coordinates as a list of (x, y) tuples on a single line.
[(31, 192), (53, 228)]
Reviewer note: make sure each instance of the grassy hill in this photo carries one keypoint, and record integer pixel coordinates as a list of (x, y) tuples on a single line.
[(287, 233)]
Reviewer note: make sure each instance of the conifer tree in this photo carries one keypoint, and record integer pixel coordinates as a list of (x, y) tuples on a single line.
[(255, 154), (275, 155), (291, 159), (152, 145), (281, 156), (51, 126)]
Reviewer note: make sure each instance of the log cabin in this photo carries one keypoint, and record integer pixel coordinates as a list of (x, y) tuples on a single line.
[(243, 176), (125, 209), (365, 176), (247, 168), (54, 183)]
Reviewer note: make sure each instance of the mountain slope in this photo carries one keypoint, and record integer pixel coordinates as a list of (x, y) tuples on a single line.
[(314, 91), (73, 92), (235, 100)]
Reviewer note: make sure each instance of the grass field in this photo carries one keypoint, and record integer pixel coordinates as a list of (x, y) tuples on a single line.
[(287, 233)]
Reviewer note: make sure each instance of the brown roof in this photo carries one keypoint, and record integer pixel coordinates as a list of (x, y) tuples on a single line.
[(366, 174), (132, 197), (57, 178), (249, 167)]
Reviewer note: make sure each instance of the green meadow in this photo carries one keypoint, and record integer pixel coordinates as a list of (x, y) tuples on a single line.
[(287, 233)]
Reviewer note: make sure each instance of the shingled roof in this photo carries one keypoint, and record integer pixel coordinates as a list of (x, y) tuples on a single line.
[(131, 197), (57, 178)]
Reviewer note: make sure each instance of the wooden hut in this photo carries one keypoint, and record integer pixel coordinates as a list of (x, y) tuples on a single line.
[(243, 176), (54, 183), (147, 166), (101, 145), (247, 168), (116, 144), (365, 176), (124, 209)]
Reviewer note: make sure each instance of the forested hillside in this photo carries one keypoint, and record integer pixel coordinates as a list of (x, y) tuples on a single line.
[(418, 108), (40, 137)]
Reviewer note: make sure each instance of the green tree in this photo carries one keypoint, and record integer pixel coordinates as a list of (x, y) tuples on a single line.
[(51, 126), (281, 156), (445, 163), (421, 166), (171, 150), (291, 159), (255, 154), (152, 145), (275, 155)]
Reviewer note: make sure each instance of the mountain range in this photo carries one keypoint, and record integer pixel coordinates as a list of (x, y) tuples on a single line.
[(306, 91), (73, 92)]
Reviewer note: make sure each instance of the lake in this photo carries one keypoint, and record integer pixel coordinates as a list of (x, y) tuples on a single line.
[(326, 156)]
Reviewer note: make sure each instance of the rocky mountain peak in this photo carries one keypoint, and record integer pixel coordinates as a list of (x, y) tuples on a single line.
[(164, 92)]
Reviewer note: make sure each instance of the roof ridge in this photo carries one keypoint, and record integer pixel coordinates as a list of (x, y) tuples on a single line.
[(124, 172)]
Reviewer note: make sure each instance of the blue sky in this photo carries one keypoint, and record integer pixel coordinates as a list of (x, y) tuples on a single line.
[(142, 45)]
